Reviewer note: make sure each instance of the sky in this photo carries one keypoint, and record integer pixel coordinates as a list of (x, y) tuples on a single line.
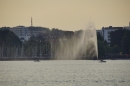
[(65, 14)]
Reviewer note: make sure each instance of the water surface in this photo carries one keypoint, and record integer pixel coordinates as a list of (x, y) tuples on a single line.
[(65, 73)]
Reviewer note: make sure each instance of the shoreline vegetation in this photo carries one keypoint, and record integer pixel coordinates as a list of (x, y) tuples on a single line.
[(43, 46)]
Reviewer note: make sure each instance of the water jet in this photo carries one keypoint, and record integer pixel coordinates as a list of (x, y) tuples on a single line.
[(83, 45)]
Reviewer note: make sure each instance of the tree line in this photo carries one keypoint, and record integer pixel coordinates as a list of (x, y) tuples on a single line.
[(12, 47)]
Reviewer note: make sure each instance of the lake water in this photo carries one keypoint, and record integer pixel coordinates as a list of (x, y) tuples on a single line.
[(65, 73)]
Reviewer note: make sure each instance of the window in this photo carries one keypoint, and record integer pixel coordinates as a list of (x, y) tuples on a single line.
[(109, 32), (108, 39), (109, 36)]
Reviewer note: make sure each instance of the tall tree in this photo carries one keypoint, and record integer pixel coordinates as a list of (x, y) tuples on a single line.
[(126, 42), (9, 42), (101, 49), (116, 37), (99, 37), (101, 46)]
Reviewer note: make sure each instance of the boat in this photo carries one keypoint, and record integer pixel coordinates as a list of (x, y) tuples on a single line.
[(36, 60), (102, 61)]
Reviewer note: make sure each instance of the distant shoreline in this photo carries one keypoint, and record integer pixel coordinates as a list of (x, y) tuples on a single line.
[(30, 59), (23, 59)]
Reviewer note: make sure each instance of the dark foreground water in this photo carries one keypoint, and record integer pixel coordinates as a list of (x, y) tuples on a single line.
[(65, 73)]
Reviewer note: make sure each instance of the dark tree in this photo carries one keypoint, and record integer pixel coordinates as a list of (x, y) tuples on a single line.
[(8, 38), (126, 42), (116, 37), (9, 43), (101, 49), (99, 37)]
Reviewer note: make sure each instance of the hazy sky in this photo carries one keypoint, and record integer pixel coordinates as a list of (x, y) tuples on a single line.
[(65, 14)]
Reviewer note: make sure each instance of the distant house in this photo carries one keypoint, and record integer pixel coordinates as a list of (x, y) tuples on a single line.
[(107, 31), (36, 30), (22, 32)]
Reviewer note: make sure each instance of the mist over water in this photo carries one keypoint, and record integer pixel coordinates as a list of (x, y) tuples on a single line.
[(82, 45)]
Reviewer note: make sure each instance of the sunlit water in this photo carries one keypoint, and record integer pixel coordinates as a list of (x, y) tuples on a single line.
[(65, 73)]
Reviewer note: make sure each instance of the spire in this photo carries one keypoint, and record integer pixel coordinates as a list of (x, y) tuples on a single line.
[(31, 22)]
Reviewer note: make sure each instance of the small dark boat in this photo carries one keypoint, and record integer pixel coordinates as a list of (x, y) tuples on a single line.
[(36, 60), (102, 61)]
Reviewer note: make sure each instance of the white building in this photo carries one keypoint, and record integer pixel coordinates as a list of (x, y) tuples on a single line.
[(105, 32), (35, 30), (22, 32)]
